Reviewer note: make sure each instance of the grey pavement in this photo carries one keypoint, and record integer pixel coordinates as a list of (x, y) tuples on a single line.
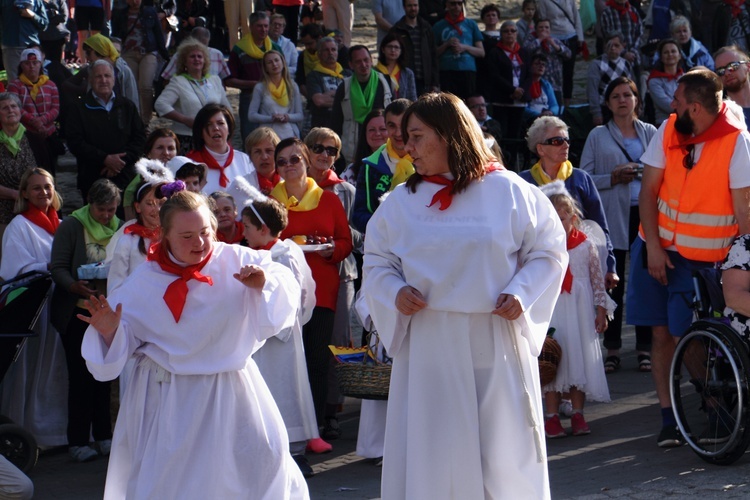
[(619, 459)]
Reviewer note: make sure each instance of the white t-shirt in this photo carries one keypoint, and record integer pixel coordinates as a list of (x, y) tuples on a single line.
[(739, 165)]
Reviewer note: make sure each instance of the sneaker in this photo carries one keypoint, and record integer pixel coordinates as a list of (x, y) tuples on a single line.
[(331, 429), (104, 447), (317, 445), (580, 427), (82, 453), (669, 437), (304, 465), (566, 408), (719, 427), (553, 428)]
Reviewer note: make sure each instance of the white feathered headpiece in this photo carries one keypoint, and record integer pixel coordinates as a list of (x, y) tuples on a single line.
[(153, 171), (553, 188), (252, 193)]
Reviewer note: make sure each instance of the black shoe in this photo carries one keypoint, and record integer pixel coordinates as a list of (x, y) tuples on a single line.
[(331, 429), (669, 437), (304, 465)]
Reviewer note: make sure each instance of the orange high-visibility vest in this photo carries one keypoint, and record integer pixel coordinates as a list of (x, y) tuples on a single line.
[(696, 214)]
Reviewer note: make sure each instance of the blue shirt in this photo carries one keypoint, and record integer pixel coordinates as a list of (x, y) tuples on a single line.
[(470, 36)]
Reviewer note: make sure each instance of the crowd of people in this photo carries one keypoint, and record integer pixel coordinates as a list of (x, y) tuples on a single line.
[(185, 240)]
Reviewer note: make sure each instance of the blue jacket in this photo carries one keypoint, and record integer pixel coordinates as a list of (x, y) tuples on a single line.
[(374, 181), (21, 31)]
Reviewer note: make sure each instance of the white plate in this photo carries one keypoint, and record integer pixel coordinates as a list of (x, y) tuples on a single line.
[(315, 248)]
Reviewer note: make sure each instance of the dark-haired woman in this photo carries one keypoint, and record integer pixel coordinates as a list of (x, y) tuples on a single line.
[(372, 135), (458, 330), (611, 157), (662, 81), (392, 63)]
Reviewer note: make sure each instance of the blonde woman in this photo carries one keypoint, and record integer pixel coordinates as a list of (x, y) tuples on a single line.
[(276, 99)]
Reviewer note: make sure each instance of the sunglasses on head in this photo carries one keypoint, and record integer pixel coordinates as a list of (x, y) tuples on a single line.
[(556, 141), (319, 148), (283, 162), (731, 67), (688, 161)]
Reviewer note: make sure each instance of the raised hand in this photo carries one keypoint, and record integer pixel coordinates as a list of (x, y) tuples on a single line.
[(251, 277), (103, 318)]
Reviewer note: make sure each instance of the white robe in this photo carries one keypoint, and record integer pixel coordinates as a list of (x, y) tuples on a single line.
[(35, 388), (464, 411), (197, 420), (281, 360)]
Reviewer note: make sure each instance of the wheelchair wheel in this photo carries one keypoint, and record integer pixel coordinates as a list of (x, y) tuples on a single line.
[(709, 391), (18, 446)]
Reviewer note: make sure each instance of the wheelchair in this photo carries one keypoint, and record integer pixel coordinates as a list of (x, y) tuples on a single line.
[(710, 378)]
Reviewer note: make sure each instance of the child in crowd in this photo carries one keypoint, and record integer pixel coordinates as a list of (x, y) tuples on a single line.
[(525, 25), (581, 371), (192, 175), (281, 360)]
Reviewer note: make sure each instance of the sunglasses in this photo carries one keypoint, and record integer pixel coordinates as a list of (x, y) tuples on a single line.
[(318, 149), (688, 161), (283, 162), (556, 141), (731, 67)]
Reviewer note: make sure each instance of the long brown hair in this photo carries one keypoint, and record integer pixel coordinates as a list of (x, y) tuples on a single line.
[(449, 117)]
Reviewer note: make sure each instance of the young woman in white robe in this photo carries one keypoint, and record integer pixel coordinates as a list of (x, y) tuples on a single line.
[(34, 390), (462, 268), (197, 420)]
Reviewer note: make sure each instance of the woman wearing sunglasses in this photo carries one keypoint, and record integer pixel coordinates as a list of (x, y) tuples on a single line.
[(316, 212), (548, 138)]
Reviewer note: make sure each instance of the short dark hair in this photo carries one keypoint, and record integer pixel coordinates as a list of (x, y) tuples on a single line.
[(293, 141), (313, 30), (160, 133), (704, 87), (190, 170), (489, 8), (201, 120), (397, 107), (354, 48), (274, 215)]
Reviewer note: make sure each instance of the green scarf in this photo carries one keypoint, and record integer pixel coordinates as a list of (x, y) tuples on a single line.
[(362, 103), (99, 233), (13, 143)]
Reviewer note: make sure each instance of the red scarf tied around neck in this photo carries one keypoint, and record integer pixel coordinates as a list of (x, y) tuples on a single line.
[(661, 74), (329, 179), (456, 22), (48, 221), (203, 156), (575, 238), (445, 195), (239, 231), (736, 6), (143, 231), (623, 8), (511, 51), (177, 291), (535, 90), (267, 185)]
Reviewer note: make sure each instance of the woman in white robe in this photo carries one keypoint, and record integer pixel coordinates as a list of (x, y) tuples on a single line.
[(34, 390), (197, 420), (462, 268)]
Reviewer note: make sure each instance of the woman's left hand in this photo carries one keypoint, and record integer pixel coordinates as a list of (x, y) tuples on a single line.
[(508, 306), (611, 280), (251, 276), (328, 252)]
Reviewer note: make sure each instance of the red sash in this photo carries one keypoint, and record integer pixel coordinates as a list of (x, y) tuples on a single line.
[(203, 156), (143, 231), (267, 185), (329, 179), (623, 9), (48, 221), (239, 229), (575, 238), (456, 23), (445, 195)]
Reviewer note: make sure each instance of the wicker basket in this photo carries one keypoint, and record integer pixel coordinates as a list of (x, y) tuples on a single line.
[(366, 380), (549, 359)]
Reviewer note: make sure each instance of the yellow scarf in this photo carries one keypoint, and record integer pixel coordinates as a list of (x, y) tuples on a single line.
[(338, 72), (404, 167), (279, 94), (393, 75), (34, 86), (310, 60), (541, 177), (308, 202), (247, 45)]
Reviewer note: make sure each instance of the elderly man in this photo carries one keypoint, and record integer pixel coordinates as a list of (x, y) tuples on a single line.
[(361, 93), (323, 81), (246, 65), (421, 51), (732, 66), (478, 108), (105, 132)]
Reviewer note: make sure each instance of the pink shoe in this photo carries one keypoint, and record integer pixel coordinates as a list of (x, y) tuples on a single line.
[(317, 445), (553, 428), (580, 427)]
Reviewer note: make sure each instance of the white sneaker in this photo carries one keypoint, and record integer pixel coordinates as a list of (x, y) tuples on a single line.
[(82, 453), (566, 408), (104, 447)]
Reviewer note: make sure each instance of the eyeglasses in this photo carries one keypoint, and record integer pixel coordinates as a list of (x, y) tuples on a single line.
[(731, 67), (283, 162), (556, 141), (508, 31), (318, 149), (689, 160)]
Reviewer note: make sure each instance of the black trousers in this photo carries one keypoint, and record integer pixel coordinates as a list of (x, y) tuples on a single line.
[(316, 336)]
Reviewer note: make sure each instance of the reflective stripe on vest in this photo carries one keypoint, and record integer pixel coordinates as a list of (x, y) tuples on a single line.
[(695, 209)]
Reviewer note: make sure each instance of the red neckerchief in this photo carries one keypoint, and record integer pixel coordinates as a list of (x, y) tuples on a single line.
[(575, 238), (736, 6), (203, 156), (655, 73), (268, 245), (239, 229), (329, 179), (455, 22), (445, 195), (511, 51), (266, 185), (48, 221), (177, 291), (623, 9), (535, 90), (725, 123), (143, 231)]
